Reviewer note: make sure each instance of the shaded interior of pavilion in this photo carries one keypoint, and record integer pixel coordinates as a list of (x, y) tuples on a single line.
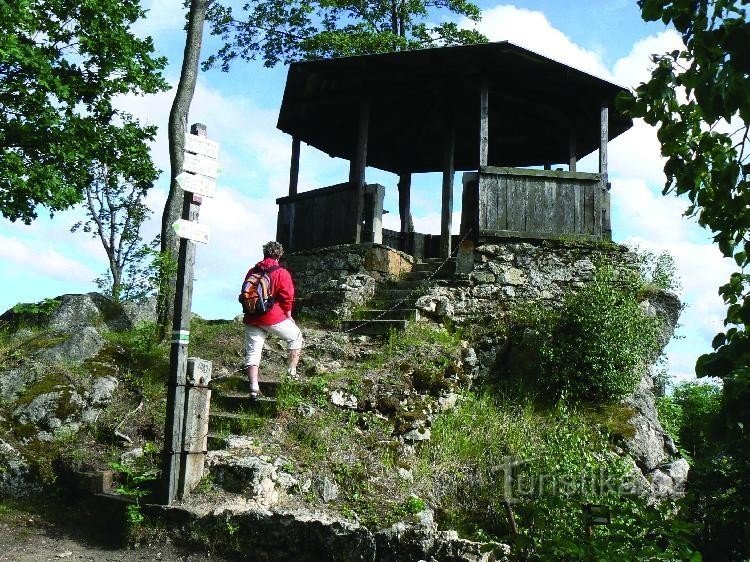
[(514, 122)]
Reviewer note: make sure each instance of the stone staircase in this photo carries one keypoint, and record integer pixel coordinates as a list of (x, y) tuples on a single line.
[(234, 412), (393, 305)]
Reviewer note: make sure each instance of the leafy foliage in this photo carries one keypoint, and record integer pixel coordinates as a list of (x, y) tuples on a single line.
[(121, 176), (699, 97), (61, 65), (544, 463), (135, 479), (690, 413), (659, 270), (704, 138), (594, 347), (280, 31)]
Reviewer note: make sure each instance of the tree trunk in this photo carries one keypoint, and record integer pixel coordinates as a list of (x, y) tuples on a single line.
[(178, 118)]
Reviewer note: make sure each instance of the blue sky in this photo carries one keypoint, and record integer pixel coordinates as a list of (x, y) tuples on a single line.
[(240, 108)]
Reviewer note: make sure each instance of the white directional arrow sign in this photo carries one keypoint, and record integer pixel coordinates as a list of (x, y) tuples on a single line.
[(191, 230), (199, 164), (200, 185), (201, 145)]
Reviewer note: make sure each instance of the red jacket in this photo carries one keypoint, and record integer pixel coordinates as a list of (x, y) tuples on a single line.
[(282, 290)]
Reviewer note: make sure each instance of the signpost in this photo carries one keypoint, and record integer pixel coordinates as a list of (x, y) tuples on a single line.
[(192, 231), (187, 402)]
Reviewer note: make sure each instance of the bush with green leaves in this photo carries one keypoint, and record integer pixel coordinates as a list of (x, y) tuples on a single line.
[(545, 463), (594, 348), (690, 415)]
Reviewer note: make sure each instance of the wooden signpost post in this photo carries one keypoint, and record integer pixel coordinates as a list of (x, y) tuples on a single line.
[(188, 398)]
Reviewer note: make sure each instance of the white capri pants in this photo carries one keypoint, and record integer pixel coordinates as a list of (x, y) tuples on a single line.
[(255, 337)]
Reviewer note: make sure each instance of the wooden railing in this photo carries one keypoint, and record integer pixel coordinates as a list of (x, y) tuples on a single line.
[(327, 217), (524, 203)]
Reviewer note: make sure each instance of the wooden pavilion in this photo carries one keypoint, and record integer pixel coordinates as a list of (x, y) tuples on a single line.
[(503, 114)]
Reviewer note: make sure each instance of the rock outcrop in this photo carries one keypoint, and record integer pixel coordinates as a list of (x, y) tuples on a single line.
[(46, 390)]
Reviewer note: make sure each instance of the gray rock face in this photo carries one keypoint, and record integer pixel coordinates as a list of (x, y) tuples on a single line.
[(91, 309), (248, 475), (652, 449), (15, 381), (103, 389), (326, 488), (15, 477), (647, 447), (138, 312), (303, 535), (85, 342)]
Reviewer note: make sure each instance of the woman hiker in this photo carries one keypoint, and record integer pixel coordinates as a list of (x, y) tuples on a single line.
[(277, 320)]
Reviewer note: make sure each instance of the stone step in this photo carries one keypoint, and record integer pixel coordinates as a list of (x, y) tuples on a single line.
[(239, 383), (397, 294), (235, 423), (387, 304), (433, 264), (372, 327), (388, 314), (424, 276), (234, 401), (408, 284), (216, 441)]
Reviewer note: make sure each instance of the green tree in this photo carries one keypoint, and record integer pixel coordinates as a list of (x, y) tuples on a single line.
[(114, 203), (699, 98), (61, 65), (287, 31)]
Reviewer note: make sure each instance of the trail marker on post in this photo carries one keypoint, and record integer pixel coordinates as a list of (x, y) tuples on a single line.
[(188, 400)]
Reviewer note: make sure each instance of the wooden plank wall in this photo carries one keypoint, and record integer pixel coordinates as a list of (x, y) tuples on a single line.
[(325, 217), (539, 204), (322, 217)]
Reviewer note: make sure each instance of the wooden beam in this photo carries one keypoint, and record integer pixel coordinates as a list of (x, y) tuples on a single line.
[(358, 164), (601, 196), (603, 139), (446, 219), (572, 150), (294, 167), (484, 125), (404, 203)]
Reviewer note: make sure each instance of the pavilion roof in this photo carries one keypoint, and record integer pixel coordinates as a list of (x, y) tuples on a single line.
[(534, 102)]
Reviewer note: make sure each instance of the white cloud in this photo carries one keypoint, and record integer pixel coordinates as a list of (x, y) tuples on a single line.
[(41, 261), (532, 30), (636, 67)]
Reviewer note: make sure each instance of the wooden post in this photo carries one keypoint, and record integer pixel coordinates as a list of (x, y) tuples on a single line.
[(358, 164), (404, 209), (603, 139), (572, 150), (484, 121), (174, 423), (195, 436), (600, 194), (446, 218), (294, 167)]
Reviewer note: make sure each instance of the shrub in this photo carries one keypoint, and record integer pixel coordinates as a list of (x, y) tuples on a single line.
[(594, 348), (690, 414), (497, 453)]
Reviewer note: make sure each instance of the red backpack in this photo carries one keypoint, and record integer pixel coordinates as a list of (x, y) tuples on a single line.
[(257, 295)]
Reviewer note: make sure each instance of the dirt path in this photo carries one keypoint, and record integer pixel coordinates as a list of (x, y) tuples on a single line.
[(30, 533)]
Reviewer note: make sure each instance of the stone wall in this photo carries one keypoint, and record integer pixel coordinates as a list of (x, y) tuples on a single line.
[(505, 275), (331, 282)]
